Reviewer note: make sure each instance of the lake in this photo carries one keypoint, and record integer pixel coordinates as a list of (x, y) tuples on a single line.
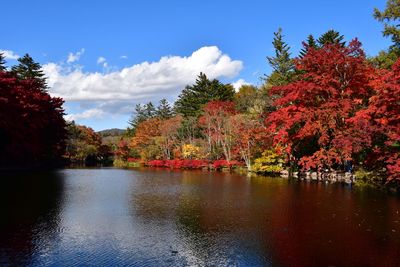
[(150, 217)]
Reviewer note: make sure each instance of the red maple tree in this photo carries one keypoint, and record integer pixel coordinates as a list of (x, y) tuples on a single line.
[(313, 116)]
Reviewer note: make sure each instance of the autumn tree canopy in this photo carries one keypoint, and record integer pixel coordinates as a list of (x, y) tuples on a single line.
[(313, 113)]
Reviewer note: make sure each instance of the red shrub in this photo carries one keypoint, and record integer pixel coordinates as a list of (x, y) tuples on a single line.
[(218, 164), (133, 160)]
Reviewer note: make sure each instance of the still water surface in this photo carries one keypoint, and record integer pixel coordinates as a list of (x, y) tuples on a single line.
[(114, 217)]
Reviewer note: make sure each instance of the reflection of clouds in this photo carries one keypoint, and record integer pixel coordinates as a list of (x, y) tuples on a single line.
[(112, 217)]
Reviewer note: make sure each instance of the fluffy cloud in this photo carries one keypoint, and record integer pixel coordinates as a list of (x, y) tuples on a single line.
[(141, 81), (87, 114), (75, 57), (239, 84), (101, 60), (116, 92), (8, 54)]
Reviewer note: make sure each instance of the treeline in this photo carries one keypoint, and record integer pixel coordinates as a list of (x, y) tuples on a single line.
[(86, 147), (330, 108), (32, 127)]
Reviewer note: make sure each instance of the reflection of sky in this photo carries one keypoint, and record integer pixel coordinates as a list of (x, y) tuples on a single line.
[(111, 217)]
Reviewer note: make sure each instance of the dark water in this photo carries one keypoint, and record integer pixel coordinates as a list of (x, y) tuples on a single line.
[(112, 217)]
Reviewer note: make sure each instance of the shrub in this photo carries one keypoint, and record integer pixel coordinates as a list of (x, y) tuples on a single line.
[(270, 162)]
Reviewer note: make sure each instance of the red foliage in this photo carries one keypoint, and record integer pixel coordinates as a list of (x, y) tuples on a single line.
[(32, 127), (133, 160), (179, 163), (217, 126), (314, 114), (122, 151), (218, 164), (382, 118)]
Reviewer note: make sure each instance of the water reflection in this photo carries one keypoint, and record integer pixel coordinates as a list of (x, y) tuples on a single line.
[(112, 217), (30, 210)]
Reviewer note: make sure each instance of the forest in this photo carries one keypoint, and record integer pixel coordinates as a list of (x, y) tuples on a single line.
[(329, 108)]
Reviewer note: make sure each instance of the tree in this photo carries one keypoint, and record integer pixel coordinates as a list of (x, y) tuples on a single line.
[(192, 99), (217, 126), (313, 114), (245, 97), (381, 120), (269, 162), (310, 43), (83, 144), (32, 127), (390, 17), (281, 63), (2, 62), (250, 137), (331, 37), (149, 110), (141, 113), (164, 110), (168, 139), (28, 69), (144, 140)]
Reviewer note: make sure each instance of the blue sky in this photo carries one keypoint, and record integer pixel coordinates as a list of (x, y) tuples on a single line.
[(103, 57)]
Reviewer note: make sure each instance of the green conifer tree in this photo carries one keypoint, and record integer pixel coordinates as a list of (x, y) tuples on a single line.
[(331, 37), (29, 69), (164, 110), (282, 64), (193, 97), (2, 62), (310, 43)]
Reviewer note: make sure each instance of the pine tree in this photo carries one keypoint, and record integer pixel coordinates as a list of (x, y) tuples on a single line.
[(141, 114), (331, 37), (310, 43), (138, 116), (390, 17), (29, 69), (2, 62), (150, 110), (192, 99), (281, 63), (164, 110)]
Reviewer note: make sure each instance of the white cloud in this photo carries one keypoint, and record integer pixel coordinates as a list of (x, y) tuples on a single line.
[(8, 54), (115, 92), (239, 84), (101, 60), (75, 57), (123, 57), (87, 114), (146, 80)]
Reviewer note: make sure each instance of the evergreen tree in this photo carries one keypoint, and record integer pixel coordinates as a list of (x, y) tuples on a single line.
[(140, 114), (192, 99), (164, 110), (310, 43), (2, 62), (390, 17), (150, 110), (29, 69), (331, 37), (281, 63)]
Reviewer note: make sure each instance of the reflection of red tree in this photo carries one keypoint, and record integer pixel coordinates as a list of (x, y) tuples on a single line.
[(315, 226)]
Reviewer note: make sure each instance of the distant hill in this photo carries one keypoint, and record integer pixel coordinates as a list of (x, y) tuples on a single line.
[(112, 132)]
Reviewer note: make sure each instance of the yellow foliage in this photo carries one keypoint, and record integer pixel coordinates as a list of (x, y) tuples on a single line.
[(190, 151), (270, 162)]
